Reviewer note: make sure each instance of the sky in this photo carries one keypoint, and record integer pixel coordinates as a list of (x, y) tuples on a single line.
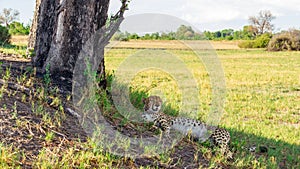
[(202, 14)]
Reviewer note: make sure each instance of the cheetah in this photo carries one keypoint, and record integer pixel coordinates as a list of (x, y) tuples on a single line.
[(152, 104), (197, 129)]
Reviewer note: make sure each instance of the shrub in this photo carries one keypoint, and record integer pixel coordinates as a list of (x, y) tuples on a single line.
[(246, 44), (133, 36), (262, 41), (17, 28), (229, 37), (289, 40), (120, 36), (4, 35), (124, 39)]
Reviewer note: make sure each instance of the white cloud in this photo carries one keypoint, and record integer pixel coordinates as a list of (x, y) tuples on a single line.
[(204, 11), (289, 5), (207, 13)]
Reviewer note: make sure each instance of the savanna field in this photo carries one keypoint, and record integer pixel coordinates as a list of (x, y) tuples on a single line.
[(262, 108), (263, 94)]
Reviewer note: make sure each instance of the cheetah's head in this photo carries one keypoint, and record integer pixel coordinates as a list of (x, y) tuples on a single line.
[(152, 104)]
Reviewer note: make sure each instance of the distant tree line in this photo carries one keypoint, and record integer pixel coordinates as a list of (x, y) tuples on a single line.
[(258, 34), (255, 35), (182, 33), (230, 34), (187, 33), (249, 36)]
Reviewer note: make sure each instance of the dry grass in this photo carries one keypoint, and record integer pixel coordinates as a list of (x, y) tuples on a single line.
[(160, 44), (171, 44), (219, 45), (19, 40)]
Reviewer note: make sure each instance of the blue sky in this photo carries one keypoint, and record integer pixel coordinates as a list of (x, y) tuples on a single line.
[(203, 14)]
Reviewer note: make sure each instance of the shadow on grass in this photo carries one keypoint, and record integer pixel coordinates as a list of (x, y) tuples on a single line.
[(269, 153), (250, 151), (275, 153)]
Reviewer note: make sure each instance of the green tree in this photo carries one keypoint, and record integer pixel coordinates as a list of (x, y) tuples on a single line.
[(171, 36), (238, 35), (227, 34), (184, 32), (17, 28), (208, 35), (133, 36), (155, 36), (4, 35), (146, 36), (248, 32), (217, 34)]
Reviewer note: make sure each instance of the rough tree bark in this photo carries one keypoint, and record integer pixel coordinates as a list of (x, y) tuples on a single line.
[(32, 34), (63, 28)]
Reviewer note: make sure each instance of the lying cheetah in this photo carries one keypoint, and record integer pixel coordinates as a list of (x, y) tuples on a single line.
[(197, 129)]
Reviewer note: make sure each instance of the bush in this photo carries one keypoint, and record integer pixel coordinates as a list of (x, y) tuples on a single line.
[(133, 36), (17, 28), (289, 40), (124, 39), (246, 44), (120, 36), (4, 35), (262, 41), (229, 37)]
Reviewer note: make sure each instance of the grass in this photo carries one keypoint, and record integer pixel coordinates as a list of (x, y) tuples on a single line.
[(262, 101), (9, 157), (20, 40), (167, 44), (262, 104), (17, 47), (14, 49)]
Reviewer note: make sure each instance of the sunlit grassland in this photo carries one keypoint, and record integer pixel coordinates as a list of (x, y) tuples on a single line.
[(17, 47), (14, 49), (167, 44), (262, 100)]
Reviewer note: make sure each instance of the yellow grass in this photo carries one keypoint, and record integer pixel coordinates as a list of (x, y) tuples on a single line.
[(161, 44), (171, 44), (19, 40)]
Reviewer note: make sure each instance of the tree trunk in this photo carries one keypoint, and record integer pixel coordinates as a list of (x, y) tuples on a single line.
[(62, 30), (32, 34)]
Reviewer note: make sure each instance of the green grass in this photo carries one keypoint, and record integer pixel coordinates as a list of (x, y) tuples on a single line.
[(17, 46), (14, 49), (86, 155), (262, 107), (9, 157), (262, 100)]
